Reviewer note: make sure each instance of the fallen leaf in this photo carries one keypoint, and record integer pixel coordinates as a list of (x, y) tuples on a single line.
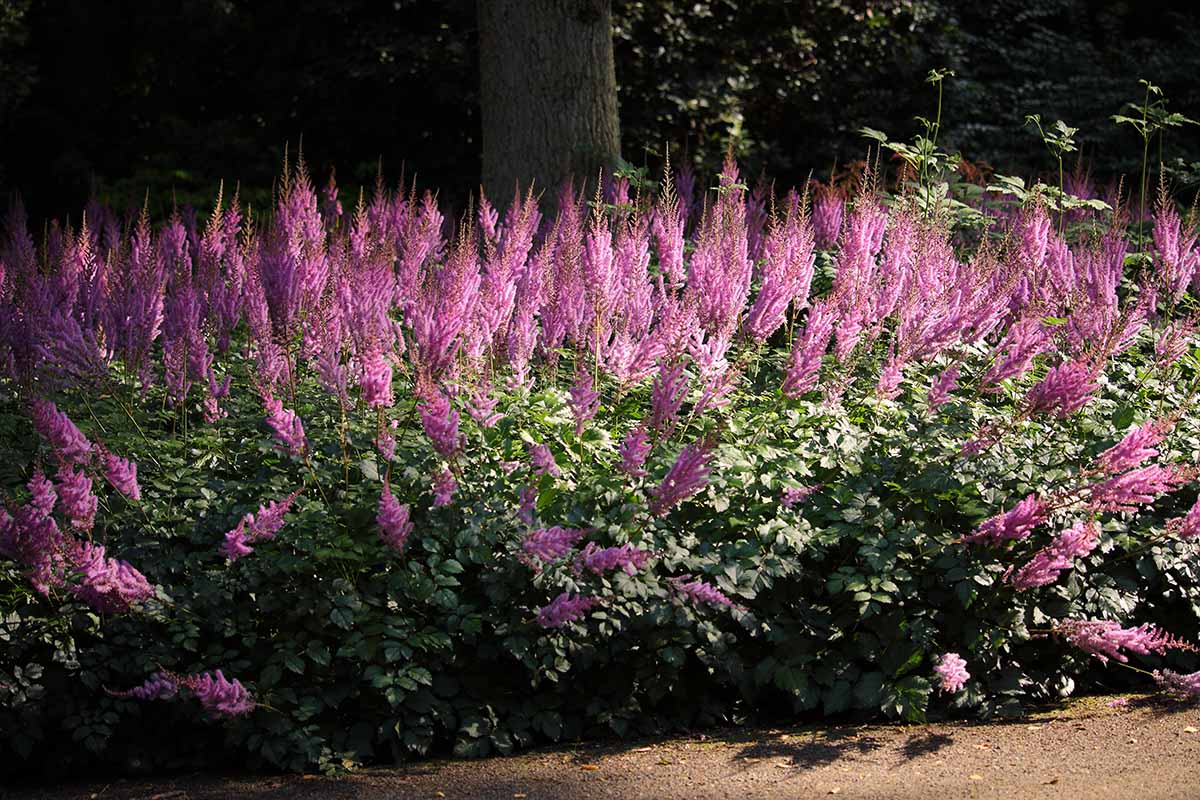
[(1033, 727), (1191, 729), (1050, 782), (440, 794), (520, 796), (835, 790), (643, 750), (590, 767), (783, 766), (663, 762), (975, 778)]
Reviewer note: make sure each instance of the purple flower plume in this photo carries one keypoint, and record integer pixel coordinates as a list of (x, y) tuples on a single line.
[(440, 422), (550, 544), (1135, 488), (687, 476), (797, 494), (394, 524), (565, 608), (106, 584), (952, 672), (76, 499), (444, 487), (804, 364), (261, 524), (1138, 445), (633, 451), (599, 560), (122, 474), (698, 591), (68, 442), (543, 460), (1016, 523), (218, 695), (1105, 639), (1045, 566), (157, 687), (1184, 686), (376, 381), (286, 426), (1187, 527), (940, 391), (1065, 389)]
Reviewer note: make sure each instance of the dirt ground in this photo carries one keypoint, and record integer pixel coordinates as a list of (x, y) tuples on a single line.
[(1094, 748)]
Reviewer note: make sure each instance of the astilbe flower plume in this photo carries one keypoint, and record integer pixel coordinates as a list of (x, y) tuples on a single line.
[(804, 364), (157, 687), (1065, 389), (1105, 639), (565, 608), (285, 425), (1138, 445), (946, 382), (543, 460), (1044, 568), (482, 408), (599, 560), (218, 695), (797, 494), (527, 503), (698, 591), (634, 449), (1128, 491), (666, 397), (952, 672), (376, 381), (1186, 527), (1015, 523), (42, 496), (550, 544), (584, 401), (261, 524), (67, 441), (106, 584), (393, 520), (444, 487), (440, 422), (1183, 686), (686, 477), (122, 474), (76, 499)]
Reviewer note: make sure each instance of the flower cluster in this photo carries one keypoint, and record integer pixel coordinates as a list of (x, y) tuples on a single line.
[(1105, 639), (952, 672), (1045, 566), (565, 608)]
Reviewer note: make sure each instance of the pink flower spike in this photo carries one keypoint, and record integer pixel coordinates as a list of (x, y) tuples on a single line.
[(1138, 445), (67, 441), (1016, 523), (565, 608), (393, 520), (687, 477), (122, 474)]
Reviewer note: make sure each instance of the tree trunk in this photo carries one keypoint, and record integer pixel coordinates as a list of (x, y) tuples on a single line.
[(548, 92)]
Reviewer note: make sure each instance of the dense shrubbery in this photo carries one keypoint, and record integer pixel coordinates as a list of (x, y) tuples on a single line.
[(657, 460)]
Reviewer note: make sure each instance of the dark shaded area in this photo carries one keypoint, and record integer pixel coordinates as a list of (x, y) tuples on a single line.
[(123, 98)]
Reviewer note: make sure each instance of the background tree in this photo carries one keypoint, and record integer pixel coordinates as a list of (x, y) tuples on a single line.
[(548, 91)]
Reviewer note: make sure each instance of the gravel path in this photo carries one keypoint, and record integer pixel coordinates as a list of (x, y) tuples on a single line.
[(1146, 750)]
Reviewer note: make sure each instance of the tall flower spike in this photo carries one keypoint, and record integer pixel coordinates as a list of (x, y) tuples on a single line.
[(286, 427), (394, 524), (440, 422), (1045, 566), (444, 487), (565, 608), (76, 499), (1065, 389), (550, 544), (1138, 445), (543, 460), (376, 381), (687, 476), (1016, 523), (1105, 639), (584, 402), (68, 442), (122, 474), (634, 449), (698, 591)]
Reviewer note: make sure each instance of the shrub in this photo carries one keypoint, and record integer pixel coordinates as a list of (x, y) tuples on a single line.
[(318, 489)]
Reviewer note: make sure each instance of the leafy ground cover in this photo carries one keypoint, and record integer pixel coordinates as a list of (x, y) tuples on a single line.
[(314, 487)]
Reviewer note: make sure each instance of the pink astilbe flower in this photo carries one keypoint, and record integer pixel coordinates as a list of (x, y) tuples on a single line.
[(385, 441), (393, 521), (76, 499), (1045, 566), (34, 540), (286, 427), (666, 397), (634, 449), (1065, 389), (42, 495), (565, 608), (828, 210), (888, 386), (527, 500), (1138, 445), (797, 494), (1135, 488), (376, 381), (444, 487), (67, 441), (440, 422), (482, 408), (542, 460), (236, 544), (599, 560), (686, 477), (550, 544), (1015, 523), (157, 687), (1105, 639), (218, 695), (122, 474), (940, 391), (1183, 686), (106, 584), (261, 524), (952, 672), (697, 591), (804, 364), (584, 402), (1186, 527)]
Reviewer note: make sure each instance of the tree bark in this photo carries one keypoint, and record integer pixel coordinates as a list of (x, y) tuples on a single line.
[(548, 93)]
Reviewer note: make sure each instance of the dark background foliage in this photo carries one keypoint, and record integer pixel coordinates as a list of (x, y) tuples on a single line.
[(121, 98)]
